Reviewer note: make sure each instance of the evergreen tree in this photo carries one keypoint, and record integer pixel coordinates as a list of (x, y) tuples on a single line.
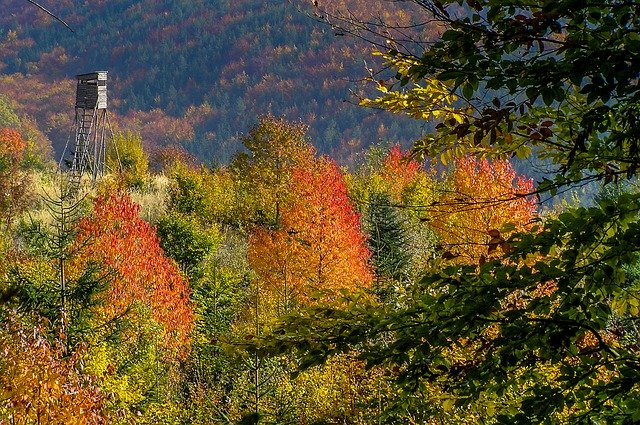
[(44, 286), (387, 241)]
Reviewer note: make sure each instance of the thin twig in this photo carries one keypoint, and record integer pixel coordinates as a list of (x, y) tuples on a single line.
[(39, 6)]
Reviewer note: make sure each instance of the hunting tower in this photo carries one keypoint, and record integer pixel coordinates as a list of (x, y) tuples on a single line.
[(91, 122)]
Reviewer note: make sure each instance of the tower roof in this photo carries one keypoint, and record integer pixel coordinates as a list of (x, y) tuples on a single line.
[(98, 75)]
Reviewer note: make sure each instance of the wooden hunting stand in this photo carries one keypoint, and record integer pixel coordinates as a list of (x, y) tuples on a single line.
[(91, 124)]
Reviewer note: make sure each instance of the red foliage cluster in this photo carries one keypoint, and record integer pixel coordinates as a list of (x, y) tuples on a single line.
[(128, 246), (398, 164), (400, 169), (12, 146)]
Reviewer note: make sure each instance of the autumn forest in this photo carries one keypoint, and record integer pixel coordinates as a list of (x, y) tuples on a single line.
[(338, 212)]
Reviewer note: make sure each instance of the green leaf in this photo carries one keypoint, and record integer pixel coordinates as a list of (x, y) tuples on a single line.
[(467, 90)]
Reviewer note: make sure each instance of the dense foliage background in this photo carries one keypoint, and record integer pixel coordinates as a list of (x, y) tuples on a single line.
[(196, 71)]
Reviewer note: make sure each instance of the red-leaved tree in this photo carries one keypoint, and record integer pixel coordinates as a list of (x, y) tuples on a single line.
[(399, 171), (129, 249)]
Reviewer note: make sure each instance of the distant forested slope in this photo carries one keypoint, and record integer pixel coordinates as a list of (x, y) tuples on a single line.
[(194, 70)]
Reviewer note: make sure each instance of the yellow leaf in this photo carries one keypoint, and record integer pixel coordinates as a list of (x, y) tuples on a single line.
[(448, 404)]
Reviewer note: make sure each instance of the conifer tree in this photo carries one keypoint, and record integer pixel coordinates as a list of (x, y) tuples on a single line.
[(387, 240), (44, 285)]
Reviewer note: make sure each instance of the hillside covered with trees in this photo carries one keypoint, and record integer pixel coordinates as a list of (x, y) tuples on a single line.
[(196, 73)]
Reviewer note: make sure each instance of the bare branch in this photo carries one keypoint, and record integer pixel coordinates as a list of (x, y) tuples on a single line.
[(39, 6)]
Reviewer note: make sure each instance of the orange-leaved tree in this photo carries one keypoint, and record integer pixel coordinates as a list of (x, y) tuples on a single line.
[(40, 382), (12, 147), (319, 244), (327, 229), (316, 246), (129, 249), (486, 201), (13, 181)]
